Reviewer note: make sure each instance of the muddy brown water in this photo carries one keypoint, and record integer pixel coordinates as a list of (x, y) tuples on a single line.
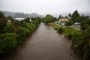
[(45, 44)]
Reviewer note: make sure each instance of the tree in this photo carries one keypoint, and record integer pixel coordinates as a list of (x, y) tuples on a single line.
[(27, 19), (69, 23), (85, 23), (3, 21), (59, 17), (69, 15), (1, 14), (48, 19), (9, 28), (75, 16)]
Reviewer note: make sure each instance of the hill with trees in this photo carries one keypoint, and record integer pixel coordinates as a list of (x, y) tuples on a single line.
[(21, 15)]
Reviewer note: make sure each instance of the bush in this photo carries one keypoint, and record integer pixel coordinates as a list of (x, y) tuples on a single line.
[(29, 26), (69, 23), (56, 26), (9, 28), (79, 42), (7, 42), (32, 27), (61, 29), (22, 32), (48, 19), (68, 32), (13, 32), (51, 24)]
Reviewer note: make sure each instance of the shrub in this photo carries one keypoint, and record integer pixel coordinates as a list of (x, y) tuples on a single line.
[(7, 42), (9, 28), (61, 29), (56, 26), (22, 32), (48, 19), (29, 26), (69, 23), (32, 27), (51, 24), (68, 32)]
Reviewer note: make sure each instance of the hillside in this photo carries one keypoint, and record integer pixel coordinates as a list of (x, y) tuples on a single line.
[(21, 15)]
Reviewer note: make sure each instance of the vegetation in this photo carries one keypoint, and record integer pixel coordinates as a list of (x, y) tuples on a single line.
[(13, 32), (80, 38), (7, 42), (75, 16), (69, 23), (48, 19)]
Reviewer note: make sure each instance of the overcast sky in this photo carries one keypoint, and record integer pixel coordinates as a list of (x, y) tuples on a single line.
[(45, 6)]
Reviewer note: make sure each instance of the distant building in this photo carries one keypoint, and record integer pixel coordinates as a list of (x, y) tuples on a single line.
[(63, 20), (19, 19), (30, 20), (9, 20)]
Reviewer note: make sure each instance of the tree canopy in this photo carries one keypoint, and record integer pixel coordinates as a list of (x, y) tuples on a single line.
[(48, 19), (75, 16)]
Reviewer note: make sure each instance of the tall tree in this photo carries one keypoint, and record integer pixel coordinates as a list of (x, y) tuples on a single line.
[(3, 21), (75, 16), (69, 15), (48, 19), (60, 17)]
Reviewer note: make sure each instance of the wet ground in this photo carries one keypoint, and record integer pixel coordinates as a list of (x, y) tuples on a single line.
[(45, 44)]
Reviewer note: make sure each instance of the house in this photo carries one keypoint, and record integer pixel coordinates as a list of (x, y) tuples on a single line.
[(9, 20), (63, 21)]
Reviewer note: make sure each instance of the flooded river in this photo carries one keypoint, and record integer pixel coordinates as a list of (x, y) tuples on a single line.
[(45, 44)]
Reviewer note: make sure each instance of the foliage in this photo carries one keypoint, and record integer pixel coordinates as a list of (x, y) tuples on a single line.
[(22, 32), (60, 30), (13, 32), (69, 15), (48, 19), (1, 14), (85, 23), (80, 39), (68, 32), (56, 26), (36, 21), (69, 23), (3, 21), (7, 42), (51, 24), (60, 16), (75, 16), (29, 26), (9, 28)]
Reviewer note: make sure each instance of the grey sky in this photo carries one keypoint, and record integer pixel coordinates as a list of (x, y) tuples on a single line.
[(45, 6)]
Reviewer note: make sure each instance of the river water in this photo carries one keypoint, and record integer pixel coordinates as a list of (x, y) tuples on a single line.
[(45, 44)]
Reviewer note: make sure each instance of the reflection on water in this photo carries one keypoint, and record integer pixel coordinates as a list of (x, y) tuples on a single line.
[(45, 44)]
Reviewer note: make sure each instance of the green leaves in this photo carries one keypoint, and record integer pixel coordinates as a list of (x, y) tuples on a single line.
[(75, 16), (7, 41), (9, 28), (13, 32), (48, 19)]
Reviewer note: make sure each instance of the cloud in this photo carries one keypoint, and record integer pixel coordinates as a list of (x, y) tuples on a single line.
[(44, 6)]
